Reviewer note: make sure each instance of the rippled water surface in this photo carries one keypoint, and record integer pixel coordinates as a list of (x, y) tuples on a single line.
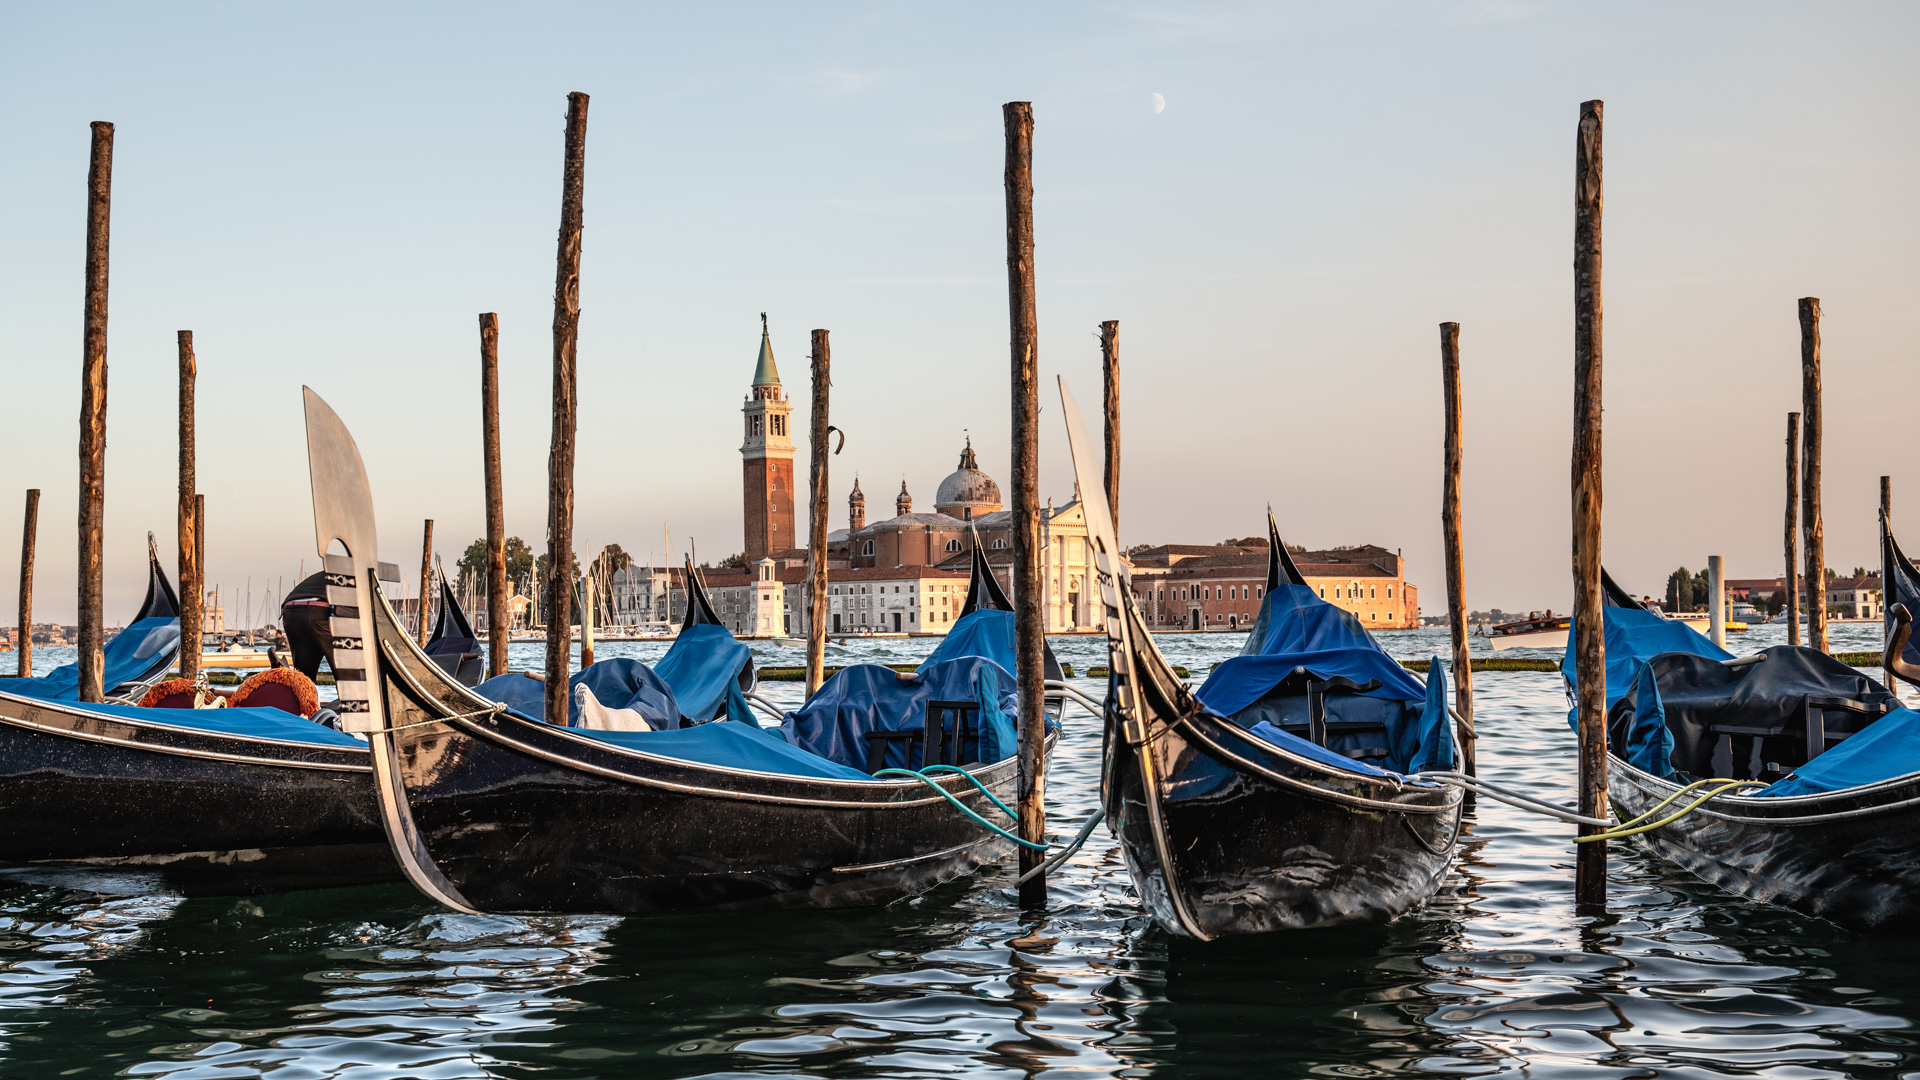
[(110, 974)]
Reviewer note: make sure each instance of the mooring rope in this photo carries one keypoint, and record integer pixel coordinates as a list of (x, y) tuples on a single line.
[(1633, 828), (495, 710), (1053, 863), (964, 808), (1513, 798)]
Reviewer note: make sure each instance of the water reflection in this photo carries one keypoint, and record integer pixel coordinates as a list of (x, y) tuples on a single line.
[(108, 974)]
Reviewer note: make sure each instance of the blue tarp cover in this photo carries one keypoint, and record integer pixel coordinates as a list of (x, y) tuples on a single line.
[(1650, 741), (618, 684), (868, 697), (258, 723), (702, 661), (982, 632), (1884, 749), (733, 745), (1297, 630), (1633, 637), (131, 654)]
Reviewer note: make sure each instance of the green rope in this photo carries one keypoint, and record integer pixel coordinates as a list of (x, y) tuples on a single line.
[(1634, 828), (963, 807), (1004, 808)]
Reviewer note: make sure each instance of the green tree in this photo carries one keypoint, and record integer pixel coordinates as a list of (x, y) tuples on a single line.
[(473, 565), (616, 557), (736, 561), (1680, 590)]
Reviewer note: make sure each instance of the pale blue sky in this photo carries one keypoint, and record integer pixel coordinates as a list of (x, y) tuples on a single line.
[(331, 197)]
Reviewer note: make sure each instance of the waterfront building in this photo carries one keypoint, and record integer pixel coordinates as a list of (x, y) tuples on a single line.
[(1202, 587)]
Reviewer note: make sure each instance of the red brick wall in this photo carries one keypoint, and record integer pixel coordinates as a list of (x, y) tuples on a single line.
[(768, 490)]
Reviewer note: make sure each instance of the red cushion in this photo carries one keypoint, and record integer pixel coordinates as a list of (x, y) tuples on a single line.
[(174, 701), (274, 696)]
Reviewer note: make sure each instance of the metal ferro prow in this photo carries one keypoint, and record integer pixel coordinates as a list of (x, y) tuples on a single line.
[(343, 516)]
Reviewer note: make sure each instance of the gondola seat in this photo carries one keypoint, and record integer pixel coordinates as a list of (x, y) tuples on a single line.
[(1693, 716), (285, 689), (868, 716), (173, 694)]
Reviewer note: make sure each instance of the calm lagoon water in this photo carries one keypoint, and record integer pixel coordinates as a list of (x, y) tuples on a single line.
[(108, 974)]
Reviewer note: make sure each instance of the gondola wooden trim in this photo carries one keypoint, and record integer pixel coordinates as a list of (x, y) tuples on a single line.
[(865, 868), (182, 751)]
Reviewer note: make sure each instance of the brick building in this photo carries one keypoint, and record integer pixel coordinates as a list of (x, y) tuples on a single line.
[(1220, 587), (767, 460)]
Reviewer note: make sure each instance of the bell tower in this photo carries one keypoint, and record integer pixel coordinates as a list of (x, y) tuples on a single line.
[(767, 459)]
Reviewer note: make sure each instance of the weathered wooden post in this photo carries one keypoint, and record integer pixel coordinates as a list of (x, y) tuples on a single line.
[(420, 629), (1450, 534), (1886, 499), (1029, 628), (566, 386), (93, 414), (1110, 365), (190, 599), (1810, 522), (497, 588), (28, 533), (1590, 665), (200, 553), (1793, 528), (587, 614), (822, 361), (1716, 601)]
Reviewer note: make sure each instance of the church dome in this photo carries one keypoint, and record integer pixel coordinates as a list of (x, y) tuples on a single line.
[(967, 492)]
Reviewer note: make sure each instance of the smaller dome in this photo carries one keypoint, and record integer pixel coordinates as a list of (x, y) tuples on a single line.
[(967, 491)]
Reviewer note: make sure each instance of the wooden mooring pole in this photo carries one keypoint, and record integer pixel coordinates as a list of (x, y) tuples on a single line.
[(1886, 499), (587, 612), (822, 363), (497, 631), (1110, 366), (1029, 626), (200, 554), (1450, 533), (190, 599), (28, 533), (1590, 665), (426, 582), (1793, 529), (1810, 523), (93, 415), (566, 386)]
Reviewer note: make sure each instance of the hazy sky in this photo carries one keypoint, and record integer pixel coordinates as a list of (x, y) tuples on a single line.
[(329, 197)]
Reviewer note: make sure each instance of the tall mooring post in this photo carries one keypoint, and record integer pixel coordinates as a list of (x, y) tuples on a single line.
[(1110, 367), (426, 583), (29, 531), (93, 415), (496, 505), (566, 416), (1792, 581), (190, 597), (1716, 601), (587, 613), (1456, 559), (1590, 664), (1029, 626), (822, 363), (1886, 498), (1810, 524), (200, 551)]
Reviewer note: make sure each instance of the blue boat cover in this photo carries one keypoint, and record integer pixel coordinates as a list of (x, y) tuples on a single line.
[(1298, 632), (1633, 636), (702, 661), (131, 654), (731, 744), (1884, 749), (868, 697), (981, 632), (619, 683), (1650, 740), (256, 723)]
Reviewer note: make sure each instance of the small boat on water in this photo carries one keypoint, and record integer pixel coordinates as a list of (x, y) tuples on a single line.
[(216, 799), (137, 657), (1548, 631), (488, 809), (1279, 795), (1807, 772)]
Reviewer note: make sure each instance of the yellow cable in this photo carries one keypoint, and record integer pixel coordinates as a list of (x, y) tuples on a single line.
[(1623, 831)]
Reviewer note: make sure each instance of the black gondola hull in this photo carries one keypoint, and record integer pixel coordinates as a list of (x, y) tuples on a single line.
[(518, 816), (85, 789), (1852, 856), (1251, 855)]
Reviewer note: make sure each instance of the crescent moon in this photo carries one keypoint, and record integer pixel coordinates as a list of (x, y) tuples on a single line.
[(1159, 104)]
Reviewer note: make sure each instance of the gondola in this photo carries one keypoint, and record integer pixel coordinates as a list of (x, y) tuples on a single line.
[(215, 799), (491, 810), (453, 645), (1809, 769), (1256, 804), (137, 657)]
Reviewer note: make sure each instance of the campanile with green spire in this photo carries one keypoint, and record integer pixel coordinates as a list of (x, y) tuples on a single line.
[(767, 459)]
